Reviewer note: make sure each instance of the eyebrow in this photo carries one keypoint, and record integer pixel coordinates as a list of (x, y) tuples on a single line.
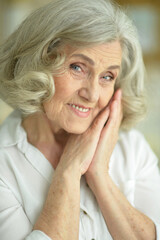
[(85, 58), (91, 62)]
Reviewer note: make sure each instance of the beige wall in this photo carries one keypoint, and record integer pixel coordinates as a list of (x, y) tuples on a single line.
[(13, 11), (150, 29)]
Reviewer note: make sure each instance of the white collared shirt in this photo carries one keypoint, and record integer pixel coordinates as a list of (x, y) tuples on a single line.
[(25, 177)]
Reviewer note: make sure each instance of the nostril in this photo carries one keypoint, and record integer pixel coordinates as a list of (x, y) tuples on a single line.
[(83, 92), (90, 93)]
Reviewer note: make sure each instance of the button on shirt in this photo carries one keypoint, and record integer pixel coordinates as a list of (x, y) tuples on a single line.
[(25, 177)]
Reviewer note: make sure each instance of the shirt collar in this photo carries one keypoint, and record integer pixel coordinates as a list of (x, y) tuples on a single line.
[(11, 131)]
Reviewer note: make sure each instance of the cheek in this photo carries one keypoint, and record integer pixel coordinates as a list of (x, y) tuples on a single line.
[(61, 97), (49, 108), (106, 97), (53, 106), (53, 109), (64, 88)]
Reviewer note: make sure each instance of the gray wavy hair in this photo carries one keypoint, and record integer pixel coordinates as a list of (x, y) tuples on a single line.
[(31, 56)]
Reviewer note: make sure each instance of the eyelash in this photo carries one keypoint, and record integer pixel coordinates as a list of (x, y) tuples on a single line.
[(72, 66), (111, 77), (75, 65)]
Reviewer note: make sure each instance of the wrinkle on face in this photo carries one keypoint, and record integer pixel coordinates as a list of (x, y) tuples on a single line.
[(67, 88)]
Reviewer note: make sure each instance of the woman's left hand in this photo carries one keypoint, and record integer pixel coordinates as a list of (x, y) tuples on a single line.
[(107, 140)]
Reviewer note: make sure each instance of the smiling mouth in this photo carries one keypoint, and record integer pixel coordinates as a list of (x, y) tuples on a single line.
[(80, 108)]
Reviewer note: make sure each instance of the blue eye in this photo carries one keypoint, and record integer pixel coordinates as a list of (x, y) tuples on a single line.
[(108, 78), (75, 67)]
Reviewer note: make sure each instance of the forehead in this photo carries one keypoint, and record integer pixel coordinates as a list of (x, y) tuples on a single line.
[(107, 53)]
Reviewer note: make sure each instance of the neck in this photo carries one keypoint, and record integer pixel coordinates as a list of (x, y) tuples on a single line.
[(40, 129)]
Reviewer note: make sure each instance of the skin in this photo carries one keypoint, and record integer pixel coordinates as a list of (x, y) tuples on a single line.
[(77, 145), (83, 84)]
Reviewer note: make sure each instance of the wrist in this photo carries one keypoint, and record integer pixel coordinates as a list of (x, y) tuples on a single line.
[(69, 172), (97, 180)]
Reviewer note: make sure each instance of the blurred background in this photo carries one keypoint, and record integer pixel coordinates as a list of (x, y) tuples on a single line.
[(146, 16)]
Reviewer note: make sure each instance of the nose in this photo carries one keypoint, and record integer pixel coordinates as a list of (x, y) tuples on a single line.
[(90, 91)]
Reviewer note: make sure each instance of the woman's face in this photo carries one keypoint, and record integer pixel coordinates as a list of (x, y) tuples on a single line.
[(85, 87)]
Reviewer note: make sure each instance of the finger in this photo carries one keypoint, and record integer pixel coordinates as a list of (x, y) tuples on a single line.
[(109, 114), (101, 119), (115, 113), (117, 108), (117, 95), (120, 109)]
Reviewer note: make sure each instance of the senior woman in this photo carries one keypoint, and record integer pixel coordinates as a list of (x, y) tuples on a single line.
[(73, 72)]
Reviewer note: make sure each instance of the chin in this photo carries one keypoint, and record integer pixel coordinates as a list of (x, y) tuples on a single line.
[(76, 130)]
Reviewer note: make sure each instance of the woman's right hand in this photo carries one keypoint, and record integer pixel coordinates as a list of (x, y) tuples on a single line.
[(80, 149)]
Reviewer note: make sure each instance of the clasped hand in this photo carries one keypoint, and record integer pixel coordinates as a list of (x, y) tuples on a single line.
[(90, 152)]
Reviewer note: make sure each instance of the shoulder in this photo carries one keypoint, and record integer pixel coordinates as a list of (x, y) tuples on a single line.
[(11, 131), (132, 156), (12, 145), (131, 137), (9, 163), (134, 143)]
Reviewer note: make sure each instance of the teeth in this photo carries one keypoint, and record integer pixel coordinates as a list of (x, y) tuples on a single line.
[(80, 108)]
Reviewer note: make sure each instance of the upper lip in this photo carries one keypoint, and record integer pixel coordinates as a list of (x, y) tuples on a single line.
[(80, 106)]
